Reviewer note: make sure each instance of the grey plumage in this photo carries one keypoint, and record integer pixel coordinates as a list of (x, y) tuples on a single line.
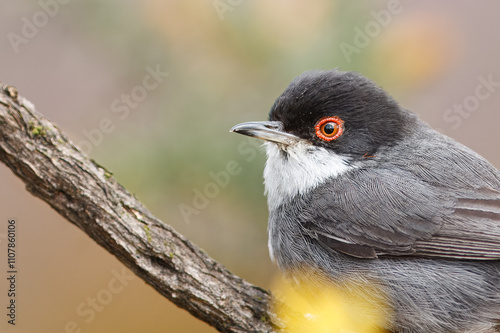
[(401, 205)]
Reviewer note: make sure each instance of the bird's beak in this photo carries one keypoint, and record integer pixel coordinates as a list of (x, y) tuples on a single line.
[(266, 130)]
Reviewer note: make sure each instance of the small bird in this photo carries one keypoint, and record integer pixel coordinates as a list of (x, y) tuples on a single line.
[(362, 190)]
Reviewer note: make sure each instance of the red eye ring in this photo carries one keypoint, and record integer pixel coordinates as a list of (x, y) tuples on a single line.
[(324, 130)]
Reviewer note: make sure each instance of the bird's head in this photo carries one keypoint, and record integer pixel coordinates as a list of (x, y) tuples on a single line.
[(342, 112), (324, 124)]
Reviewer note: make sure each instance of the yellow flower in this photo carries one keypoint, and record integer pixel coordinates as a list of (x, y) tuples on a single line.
[(315, 304)]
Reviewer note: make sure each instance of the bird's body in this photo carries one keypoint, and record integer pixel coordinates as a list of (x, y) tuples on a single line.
[(362, 190)]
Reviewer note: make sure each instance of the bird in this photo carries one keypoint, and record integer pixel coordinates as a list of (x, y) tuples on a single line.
[(360, 189)]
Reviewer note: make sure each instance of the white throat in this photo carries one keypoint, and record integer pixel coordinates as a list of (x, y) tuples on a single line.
[(303, 168)]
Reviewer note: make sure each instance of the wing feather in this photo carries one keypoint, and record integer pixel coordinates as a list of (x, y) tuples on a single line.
[(379, 212)]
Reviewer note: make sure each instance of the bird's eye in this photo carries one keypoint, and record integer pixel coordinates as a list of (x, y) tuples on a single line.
[(329, 128)]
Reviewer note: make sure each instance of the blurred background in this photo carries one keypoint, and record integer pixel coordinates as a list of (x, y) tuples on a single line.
[(171, 77)]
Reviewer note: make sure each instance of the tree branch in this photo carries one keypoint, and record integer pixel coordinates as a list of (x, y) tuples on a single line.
[(86, 194)]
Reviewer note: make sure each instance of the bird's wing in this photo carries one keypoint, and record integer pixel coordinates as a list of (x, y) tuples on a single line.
[(376, 212), (472, 231)]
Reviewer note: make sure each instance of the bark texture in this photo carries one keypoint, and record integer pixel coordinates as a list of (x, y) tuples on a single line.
[(86, 194)]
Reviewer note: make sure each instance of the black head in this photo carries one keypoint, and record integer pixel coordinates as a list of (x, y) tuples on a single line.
[(368, 116)]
